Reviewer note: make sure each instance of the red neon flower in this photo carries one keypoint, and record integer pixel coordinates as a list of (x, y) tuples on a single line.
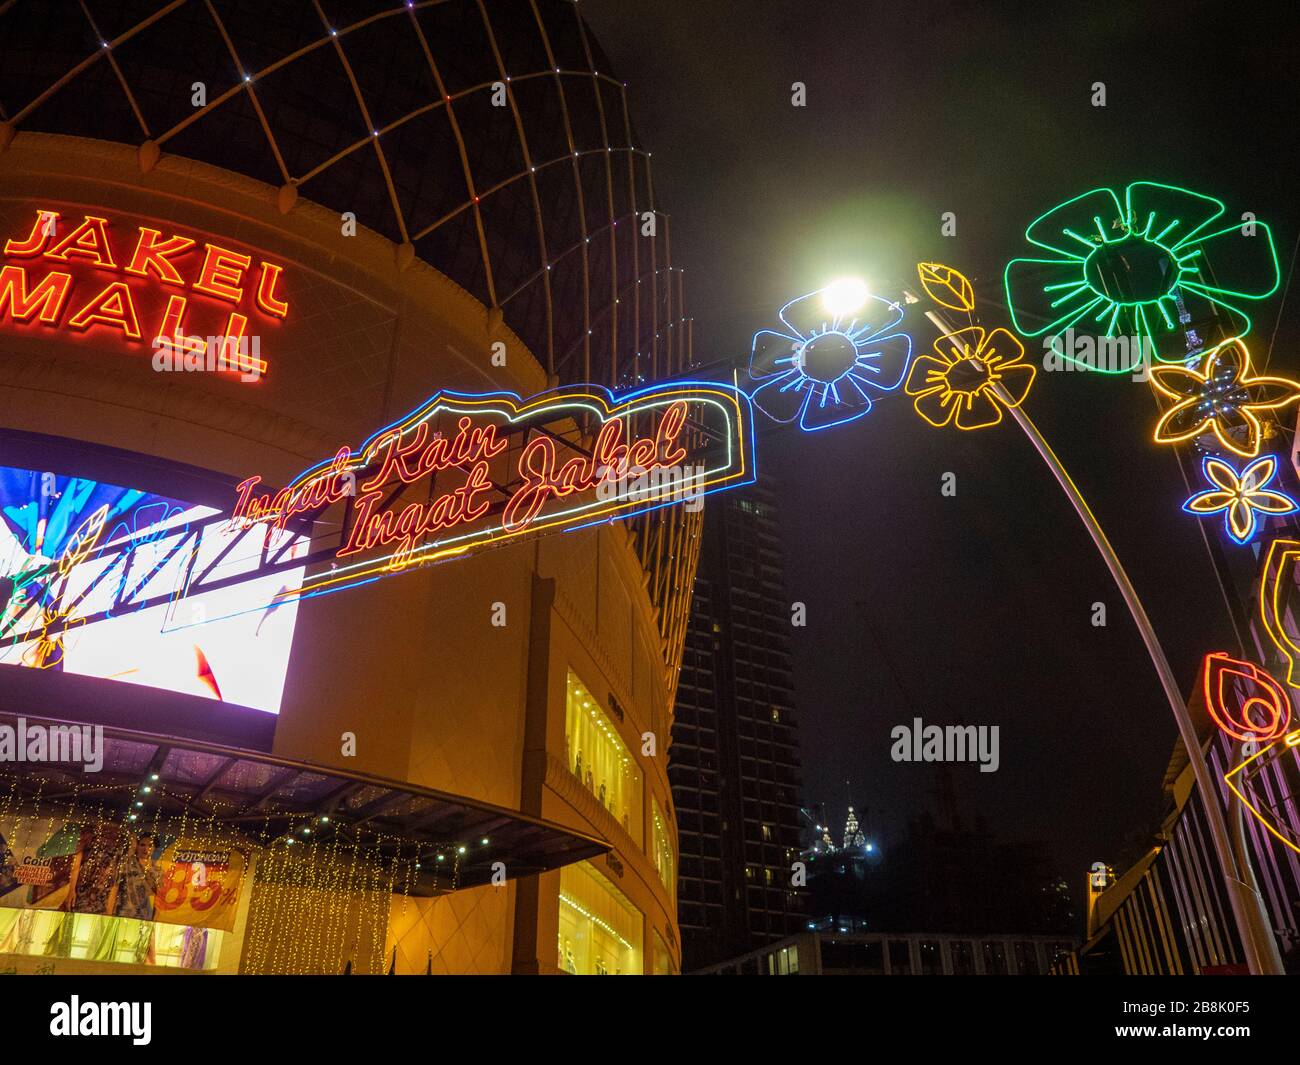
[(1258, 710)]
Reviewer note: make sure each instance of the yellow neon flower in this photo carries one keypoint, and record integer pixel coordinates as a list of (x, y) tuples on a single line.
[(956, 383), (1221, 397)]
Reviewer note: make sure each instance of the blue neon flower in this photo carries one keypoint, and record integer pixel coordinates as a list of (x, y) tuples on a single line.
[(825, 368), (1240, 496)]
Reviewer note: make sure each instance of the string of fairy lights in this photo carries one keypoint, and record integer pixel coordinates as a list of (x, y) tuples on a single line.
[(317, 893)]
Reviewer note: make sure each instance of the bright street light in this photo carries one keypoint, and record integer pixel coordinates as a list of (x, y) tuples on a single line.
[(845, 296)]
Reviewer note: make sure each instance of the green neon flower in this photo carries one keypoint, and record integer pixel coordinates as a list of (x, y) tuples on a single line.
[(1132, 277)]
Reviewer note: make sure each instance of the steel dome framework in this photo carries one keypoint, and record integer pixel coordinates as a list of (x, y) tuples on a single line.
[(535, 207)]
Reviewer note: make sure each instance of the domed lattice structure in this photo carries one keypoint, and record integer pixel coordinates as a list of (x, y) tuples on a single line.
[(488, 135)]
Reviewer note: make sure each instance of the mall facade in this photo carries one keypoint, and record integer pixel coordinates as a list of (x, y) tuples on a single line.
[(329, 213)]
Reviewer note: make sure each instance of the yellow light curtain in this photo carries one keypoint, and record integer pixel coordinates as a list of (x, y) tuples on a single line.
[(8, 923), (103, 938), (59, 942)]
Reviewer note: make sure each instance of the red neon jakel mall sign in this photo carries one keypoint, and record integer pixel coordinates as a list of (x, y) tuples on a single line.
[(464, 471), (83, 274)]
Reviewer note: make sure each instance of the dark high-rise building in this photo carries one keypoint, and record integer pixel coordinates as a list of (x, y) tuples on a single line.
[(734, 765)]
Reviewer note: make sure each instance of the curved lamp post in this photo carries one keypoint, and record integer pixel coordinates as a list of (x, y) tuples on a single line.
[(1258, 943), (839, 354), (1133, 265)]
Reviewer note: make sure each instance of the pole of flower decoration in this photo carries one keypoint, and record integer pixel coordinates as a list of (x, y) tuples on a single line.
[(1247, 907), (835, 357), (1134, 262), (1272, 956), (1258, 712)]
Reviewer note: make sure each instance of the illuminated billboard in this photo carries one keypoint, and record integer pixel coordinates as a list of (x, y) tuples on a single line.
[(102, 581), (134, 286), (462, 472)]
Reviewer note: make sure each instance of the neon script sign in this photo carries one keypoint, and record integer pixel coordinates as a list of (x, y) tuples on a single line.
[(122, 276), (464, 471)]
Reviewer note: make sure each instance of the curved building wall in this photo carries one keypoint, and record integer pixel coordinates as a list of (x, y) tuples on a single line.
[(413, 668), (487, 138)]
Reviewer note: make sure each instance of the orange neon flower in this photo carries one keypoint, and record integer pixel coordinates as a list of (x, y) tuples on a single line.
[(1258, 709), (1221, 397), (956, 384)]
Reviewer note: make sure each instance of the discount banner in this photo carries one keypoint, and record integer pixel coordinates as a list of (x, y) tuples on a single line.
[(199, 885), (52, 863)]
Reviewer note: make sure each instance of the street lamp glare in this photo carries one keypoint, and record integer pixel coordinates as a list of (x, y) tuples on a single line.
[(845, 296)]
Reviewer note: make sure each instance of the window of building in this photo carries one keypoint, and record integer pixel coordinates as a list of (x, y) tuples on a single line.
[(783, 962), (1056, 951), (1027, 959), (665, 862), (600, 929), (96, 937), (663, 958), (856, 956), (900, 957), (600, 759), (931, 959), (963, 957), (995, 958)]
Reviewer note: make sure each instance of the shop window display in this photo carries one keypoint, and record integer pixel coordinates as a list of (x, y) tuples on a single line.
[(600, 930), (600, 759)]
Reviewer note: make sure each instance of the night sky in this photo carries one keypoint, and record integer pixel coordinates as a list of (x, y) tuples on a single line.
[(982, 602)]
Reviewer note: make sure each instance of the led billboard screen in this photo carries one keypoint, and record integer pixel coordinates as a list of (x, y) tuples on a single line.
[(99, 580)]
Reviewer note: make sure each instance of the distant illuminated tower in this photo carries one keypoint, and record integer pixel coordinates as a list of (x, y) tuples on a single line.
[(852, 836)]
